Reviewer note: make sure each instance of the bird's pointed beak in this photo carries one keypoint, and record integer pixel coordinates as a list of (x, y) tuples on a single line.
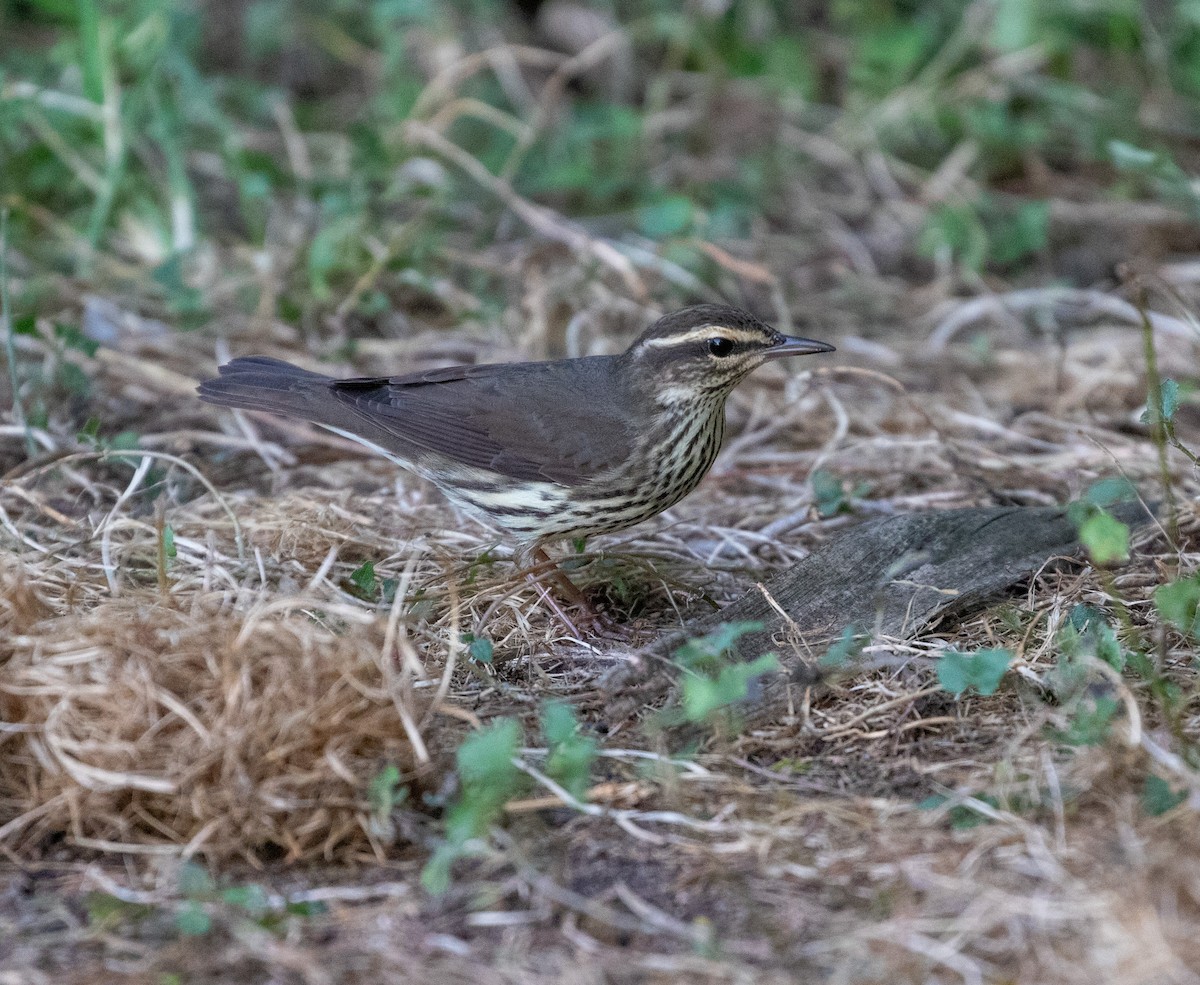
[(788, 345)]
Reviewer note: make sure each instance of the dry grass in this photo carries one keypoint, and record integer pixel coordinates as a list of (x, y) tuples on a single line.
[(140, 725), (233, 702)]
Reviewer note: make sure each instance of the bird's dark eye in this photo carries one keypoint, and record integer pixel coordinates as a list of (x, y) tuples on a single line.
[(720, 346)]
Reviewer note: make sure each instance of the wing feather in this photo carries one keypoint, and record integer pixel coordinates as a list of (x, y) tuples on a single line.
[(564, 422)]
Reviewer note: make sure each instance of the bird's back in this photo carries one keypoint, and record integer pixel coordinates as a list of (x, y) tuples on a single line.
[(565, 422)]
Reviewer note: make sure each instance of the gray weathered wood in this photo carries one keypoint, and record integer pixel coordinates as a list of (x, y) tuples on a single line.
[(893, 577)]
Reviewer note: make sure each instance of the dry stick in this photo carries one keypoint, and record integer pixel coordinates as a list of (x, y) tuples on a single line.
[(547, 569), (453, 644), (508, 75), (479, 110), (1165, 285), (1158, 422), (105, 527), (401, 691), (442, 85), (953, 446), (42, 507), (306, 604), (105, 456), (395, 633), (9, 348), (540, 219), (748, 269), (625, 818), (1190, 319), (323, 569), (548, 597), (161, 558), (22, 821), (293, 141), (591, 56), (1014, 304)]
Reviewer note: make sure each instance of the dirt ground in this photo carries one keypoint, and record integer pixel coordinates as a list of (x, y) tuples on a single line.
[(232, 704), (228, 746)]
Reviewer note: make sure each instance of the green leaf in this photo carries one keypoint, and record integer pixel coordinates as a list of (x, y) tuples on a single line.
[(886, 56), (958, 231), (670, 217), (94, 53), (1015, 24), (1158, 797), (194, 880), (713, 680), (571, 754), (1091, 722), (1082, 616), (168, 539), (959, 672), (1013, 236), (1166, 406), (90, 432), (1178, 602), (962, 817), (435, 875), (789, 65), (24, 325), (181, 297), (124, 441), (829, 493), (713, 645), (363, 578), (192, 921), (307, 908), (1128, 157), (72, 338), (558, 723), (1088, 631), (74, 379), (481, 650), (704, 695), (488, 777), (1169, 391), (848, 646), (254, 185), (105, 911), (488, 753), (1105, 537), (701, 698), (251, 898), (1108, 492), (382, 794)]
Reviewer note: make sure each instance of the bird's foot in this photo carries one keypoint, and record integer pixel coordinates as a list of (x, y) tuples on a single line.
[(585, 615)]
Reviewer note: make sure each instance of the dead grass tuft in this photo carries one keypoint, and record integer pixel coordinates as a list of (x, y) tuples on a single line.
[(144, 725)]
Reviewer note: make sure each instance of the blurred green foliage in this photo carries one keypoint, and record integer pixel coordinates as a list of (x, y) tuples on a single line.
[(145, 131)]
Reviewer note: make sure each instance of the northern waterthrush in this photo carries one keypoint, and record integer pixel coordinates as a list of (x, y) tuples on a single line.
[(547, 450)]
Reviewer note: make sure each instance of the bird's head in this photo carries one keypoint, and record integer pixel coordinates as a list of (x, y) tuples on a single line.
[(707, 350)]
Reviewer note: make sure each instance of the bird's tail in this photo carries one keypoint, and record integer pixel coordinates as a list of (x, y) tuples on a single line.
[(263, 383)]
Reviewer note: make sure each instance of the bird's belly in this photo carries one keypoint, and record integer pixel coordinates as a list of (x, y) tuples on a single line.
[(654, 480), (522, 508), (644, 488)]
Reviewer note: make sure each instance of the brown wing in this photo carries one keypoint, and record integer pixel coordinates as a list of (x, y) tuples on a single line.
[(564, 422)]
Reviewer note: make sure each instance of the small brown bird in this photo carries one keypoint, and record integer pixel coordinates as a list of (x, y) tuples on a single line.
[(547, 450)]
